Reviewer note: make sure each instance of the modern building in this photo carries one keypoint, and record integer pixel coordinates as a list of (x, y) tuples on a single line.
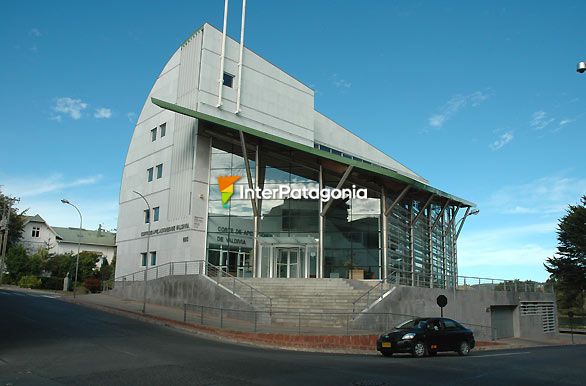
[(38, 234), (217, 109)]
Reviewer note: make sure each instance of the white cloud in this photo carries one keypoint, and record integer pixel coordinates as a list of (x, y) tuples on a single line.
[(543, 196), (94, 211), (540, 120), (30, 187), (524, 247), (41, 195), (131, 117), (454, 105), (502, 140), (70, 106), (566, 121), (563, 123), (102, 112), (35, 32), (340, 83)]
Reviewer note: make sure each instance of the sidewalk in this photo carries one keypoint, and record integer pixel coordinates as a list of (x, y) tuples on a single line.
[(352, 344)]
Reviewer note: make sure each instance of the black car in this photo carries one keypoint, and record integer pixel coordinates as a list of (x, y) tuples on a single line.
[(426, 336)]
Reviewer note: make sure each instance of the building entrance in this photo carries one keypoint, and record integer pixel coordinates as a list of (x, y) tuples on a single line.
[(287, 257), (288, 262)]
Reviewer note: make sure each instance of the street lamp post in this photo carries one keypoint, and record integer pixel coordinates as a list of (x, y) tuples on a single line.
[(78, 241), (147, 251)]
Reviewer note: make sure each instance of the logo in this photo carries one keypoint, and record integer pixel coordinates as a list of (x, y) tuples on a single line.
[(226, 185)]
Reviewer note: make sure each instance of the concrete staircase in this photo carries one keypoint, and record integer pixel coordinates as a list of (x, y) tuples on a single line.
[(316, 302)]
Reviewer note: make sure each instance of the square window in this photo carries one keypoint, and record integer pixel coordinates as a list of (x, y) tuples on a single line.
[(153, 134), (147, 216), (156, 214), (153, 258), (228, 80), (143, 258), (36, 232), (163, 129), (159, 171), (150, 174)]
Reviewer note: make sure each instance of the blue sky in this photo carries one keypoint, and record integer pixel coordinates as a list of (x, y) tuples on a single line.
[(481, 98)]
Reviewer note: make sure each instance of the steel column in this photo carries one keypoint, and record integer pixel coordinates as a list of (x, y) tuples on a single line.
[(248, 173), (422, 210), (397, 200), (320, 262), (430, 245), (339, 186), (411, 243), (385, 233), (463, 221), (222, 55)]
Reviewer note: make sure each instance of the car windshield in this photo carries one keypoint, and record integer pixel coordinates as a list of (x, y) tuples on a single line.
[(413, 323)]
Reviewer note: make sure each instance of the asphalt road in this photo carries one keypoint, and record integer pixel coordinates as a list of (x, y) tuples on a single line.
[(46, 341)]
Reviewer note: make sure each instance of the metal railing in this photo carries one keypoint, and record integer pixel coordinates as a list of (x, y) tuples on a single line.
[(374, 294), (378, 291), (229, 282), (238, 287), (194, 267), (307, 323), (471, 283)]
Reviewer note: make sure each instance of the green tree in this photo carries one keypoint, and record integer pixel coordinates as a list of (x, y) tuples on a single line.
[(38, 262), (106, 270), (60, 265), (17, 263), (16, 224), (87, 265), (568, 268)]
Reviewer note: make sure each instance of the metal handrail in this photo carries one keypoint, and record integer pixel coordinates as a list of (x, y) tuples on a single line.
[(467, 281), (171, 265), (204, 267), (235, 279), (367, 293)]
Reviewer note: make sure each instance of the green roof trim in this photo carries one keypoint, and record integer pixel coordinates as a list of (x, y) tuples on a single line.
[(308, 149)]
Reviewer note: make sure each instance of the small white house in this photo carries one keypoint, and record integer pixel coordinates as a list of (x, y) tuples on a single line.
[(38, 234)]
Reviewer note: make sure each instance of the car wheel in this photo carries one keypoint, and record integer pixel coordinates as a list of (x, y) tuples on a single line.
[(464, 348), (419, 350), (387, 353)]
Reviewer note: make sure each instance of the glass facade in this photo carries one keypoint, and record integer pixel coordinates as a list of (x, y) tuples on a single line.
[(230, 229), (285, 239)]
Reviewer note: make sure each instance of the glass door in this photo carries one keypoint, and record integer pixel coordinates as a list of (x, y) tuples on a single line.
[(244, 268), (287, 263), (282, 263), (223, 263), (294, 263)]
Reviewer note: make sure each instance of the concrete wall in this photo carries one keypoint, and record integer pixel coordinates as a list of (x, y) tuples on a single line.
[(174, 291), (472, 308)]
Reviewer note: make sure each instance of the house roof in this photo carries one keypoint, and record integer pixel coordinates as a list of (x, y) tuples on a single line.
[(35, 218), (92, 237)]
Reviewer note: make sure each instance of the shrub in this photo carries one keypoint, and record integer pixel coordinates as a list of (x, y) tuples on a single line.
[(51, 283), (29, 282), (92, 284)]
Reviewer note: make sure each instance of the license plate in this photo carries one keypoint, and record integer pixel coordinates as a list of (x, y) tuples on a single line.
[(387, 344)]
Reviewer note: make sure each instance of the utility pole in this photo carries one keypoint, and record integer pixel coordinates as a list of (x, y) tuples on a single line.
[(4, 227)]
